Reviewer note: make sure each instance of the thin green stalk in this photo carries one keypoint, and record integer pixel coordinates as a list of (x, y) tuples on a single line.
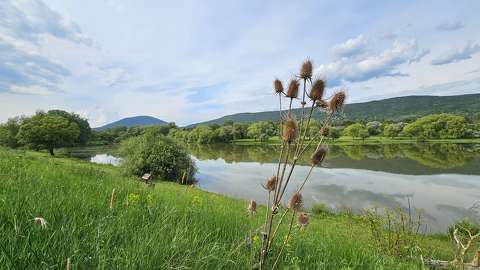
[(286, 240)]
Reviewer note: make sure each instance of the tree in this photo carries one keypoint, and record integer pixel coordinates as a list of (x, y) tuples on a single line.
[(374, 128), (9, 131), (356, 131), (84, 126), (44, 131), (437, 126), (335, 133), (393, 130), (261, 131)]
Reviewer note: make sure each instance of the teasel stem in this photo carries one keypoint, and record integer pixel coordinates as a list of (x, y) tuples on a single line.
[(286, 239), (280, 221), (296, 158), (303, 112), (325, 123), (276, 200), (302, 138), (306, 178), (269, 223)]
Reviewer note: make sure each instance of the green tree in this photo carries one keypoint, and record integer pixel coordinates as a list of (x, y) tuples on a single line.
[(9, 131), (261, 131), (437, 126), (393, 130), (44, 131), (374, 128), (84, 126), (356, 131)]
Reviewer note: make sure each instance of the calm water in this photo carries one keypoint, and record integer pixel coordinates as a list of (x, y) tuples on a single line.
[(442, 179)]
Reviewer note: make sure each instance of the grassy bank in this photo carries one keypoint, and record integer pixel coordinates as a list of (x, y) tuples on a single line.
[(167, 226), (368, 141)]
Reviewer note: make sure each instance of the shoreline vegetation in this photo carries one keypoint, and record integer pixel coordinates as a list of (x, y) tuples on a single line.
[(96, 217), (375, 140)]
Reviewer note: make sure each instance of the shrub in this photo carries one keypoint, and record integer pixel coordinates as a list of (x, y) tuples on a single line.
[(156, 154), (321, 209)]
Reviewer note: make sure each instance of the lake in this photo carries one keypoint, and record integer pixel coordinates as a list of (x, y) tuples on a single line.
[(441, 179)]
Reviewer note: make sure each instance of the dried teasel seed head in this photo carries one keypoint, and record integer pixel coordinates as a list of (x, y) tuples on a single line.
[(289, 129), (41, 221), (324, 131), (319, 155), (252, 207), (318, 87), (322, 104), (336, 103), (278, 86), (303, 219), (295, 202), (306, 70), (271, 183), (292, 91)]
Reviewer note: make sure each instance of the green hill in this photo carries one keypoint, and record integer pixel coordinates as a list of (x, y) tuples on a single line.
[(398, 108), (132, 122)]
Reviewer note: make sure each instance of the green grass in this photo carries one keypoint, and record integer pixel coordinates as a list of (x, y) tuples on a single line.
[(167, 226), (374, 140)]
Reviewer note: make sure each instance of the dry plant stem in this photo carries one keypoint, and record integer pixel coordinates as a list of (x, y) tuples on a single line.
[(278, 226), (306, 179), (302, 138), (295, 161), (303, 112), (286, 239), (277, 200)]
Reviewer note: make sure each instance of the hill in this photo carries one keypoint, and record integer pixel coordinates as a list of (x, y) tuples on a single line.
[(132, 122), (396, 109)]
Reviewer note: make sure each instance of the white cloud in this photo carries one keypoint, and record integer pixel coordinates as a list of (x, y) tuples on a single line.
[(458, 55), (369, 66), (351, 47)]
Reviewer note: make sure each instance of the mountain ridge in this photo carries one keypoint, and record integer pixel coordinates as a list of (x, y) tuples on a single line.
[(395, 109), (141, 120)]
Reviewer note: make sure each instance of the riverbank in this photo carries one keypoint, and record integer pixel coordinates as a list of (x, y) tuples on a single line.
[(164, 226), (368, 141)]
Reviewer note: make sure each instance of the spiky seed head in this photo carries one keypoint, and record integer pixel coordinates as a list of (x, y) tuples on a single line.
[(306, 70), (41, 221), (278, 86), (303, 219), (318, 87), (292, 91), (289, 129), (322, 104), (295, 202), (336, 103), (271, 183), (324, 131), (252, 207), (319, 155)]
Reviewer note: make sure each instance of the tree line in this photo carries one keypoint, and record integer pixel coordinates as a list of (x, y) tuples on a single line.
[(55, 128)]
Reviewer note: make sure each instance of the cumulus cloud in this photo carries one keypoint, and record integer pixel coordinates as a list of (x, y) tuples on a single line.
[(26, 27), (372, 65), (351, 47), (21, 70), (458, 55), (30, 19), (450, 26)]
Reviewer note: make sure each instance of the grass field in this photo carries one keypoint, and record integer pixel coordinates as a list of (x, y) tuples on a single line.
[(167, 226)]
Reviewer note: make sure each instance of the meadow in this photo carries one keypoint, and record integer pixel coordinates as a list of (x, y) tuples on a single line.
[(164, 226)]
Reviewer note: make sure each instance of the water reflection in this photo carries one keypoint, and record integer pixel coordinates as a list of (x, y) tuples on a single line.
[(396, 158), (444, 197), (105, 159), (442, 179)]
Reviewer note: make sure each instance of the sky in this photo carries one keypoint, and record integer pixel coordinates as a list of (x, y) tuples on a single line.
[(190, 61)]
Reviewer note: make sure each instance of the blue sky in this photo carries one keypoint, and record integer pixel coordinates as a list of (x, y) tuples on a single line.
[(189, 61)]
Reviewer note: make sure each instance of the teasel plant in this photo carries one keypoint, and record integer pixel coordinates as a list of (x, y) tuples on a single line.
[(295, 143)]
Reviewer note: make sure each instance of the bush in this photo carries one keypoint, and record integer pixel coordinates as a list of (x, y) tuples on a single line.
[(156, 154), (321, 209)]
